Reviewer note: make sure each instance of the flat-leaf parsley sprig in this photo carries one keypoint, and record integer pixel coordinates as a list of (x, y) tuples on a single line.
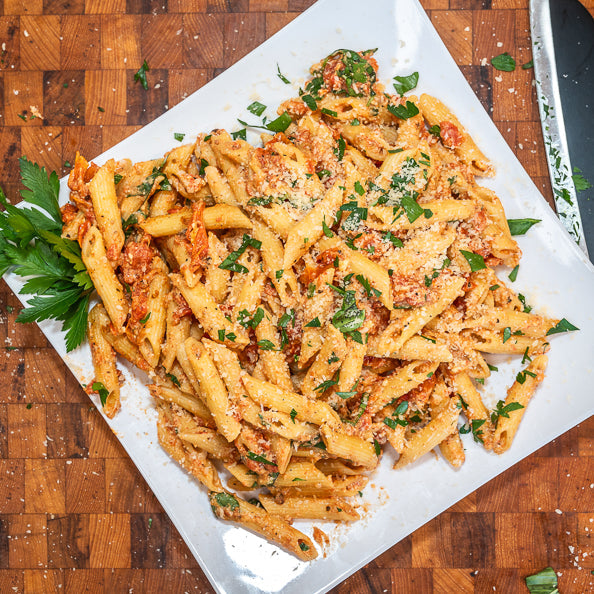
[(31, 246)]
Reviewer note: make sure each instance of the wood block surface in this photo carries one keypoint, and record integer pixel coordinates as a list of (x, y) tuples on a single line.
[(75, 514)]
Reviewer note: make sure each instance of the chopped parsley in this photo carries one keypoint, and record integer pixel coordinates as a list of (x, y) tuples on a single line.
[(349, 317), (403, 84), (521, 226), (101, 390), (140, 76), (503, 410), (404, 112), (503, 62), (562, 326), (281, 76), (513, 275), (230, 262), (258, 458), (226, 500), (315, 323), (475, 261), (256, 108), (179, 136), (266, 345)]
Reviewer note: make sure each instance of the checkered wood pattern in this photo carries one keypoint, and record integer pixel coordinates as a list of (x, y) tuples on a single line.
[(75, 515)]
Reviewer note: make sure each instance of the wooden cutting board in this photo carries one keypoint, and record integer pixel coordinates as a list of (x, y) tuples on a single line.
[(75, 515)]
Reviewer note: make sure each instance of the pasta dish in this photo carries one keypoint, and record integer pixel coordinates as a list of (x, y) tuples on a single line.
[(305, 305)]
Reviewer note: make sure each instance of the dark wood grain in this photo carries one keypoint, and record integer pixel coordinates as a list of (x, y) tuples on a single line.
[(75, 515)]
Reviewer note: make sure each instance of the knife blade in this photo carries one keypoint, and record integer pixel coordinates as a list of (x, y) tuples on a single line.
[(563, 53)]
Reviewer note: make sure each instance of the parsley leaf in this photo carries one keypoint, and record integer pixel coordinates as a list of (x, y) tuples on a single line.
[(513, 275), (140, 76), (476, 261), (520, 226), (226, 500), (503, 62), (349, 317), (31, 245), (543, 582), (256, 108), (403, 84), (503, 410), (280, 124), (258, 458), (281, 76), (579, 181), (101, 390), (315, 323), (562, 326), (179, 136), (404, 111), (230, 262), (266, 345)]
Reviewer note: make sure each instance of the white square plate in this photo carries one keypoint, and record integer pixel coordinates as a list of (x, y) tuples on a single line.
[(554, 275)]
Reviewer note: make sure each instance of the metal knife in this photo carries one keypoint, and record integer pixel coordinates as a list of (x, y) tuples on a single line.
[(563, 53)]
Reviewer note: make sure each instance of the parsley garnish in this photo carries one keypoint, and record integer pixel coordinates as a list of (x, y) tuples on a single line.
[(293, 414), (174, 379), (229, 336), (503, 62), (362, 407), (311, 289), (140, 76), (543, 582), (404, 111), (179, 136), (403, 84), (310, 102), (327, 384), (393, 239), (256, 108), (303, 546), (281, 76), (101, 390), (506, 334), (528, 65), (266, 345), (241, 134), (474, 426), (503, 410), (339, 152), (513, 275), (315, 323), (243, 318), (476, 261), (579, 181), (412, 208), (327, 230), (520, 226), (31, 245), (521, 377), (226, 500), (562, 326), (349, 317), (333, 358), (280, 124), (146, 318), (436, 131), (367, 286), (230, 262), (258, 458), (346, 395)]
